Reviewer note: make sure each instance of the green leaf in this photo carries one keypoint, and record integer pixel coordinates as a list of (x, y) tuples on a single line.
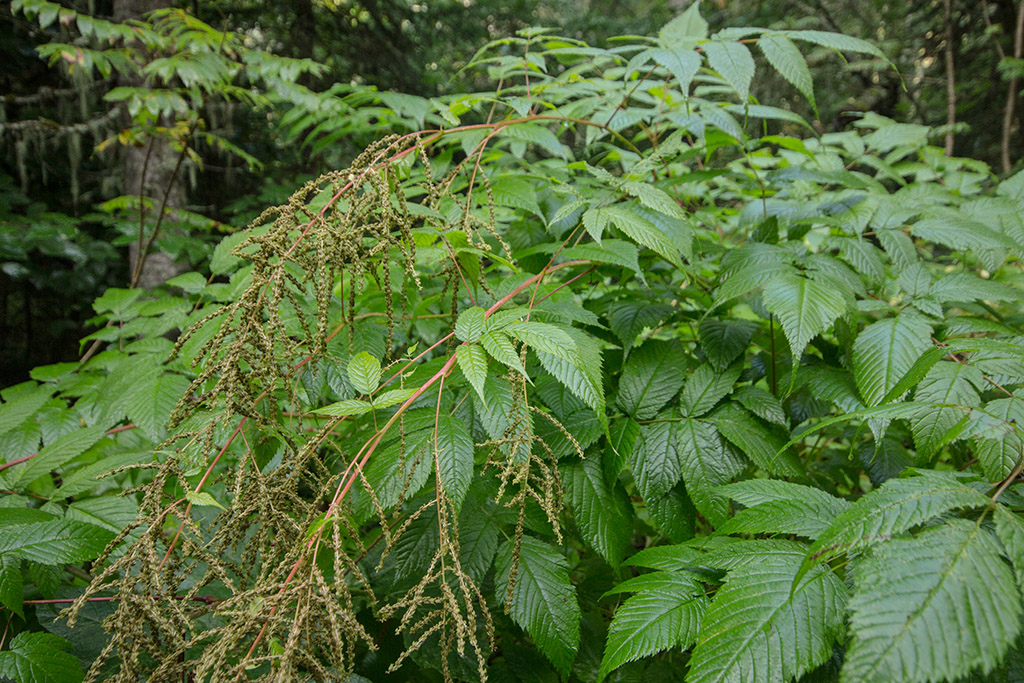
[(454, 452), (54, 456), (652, 377), (894, 507), (545, 337), (515, 191), (470, 324), (498, 347), (364, 372), (761, 403), (666, 612), (12, 588), (399, 469), (756, 441), (998, 456), (705, 388), (615, 252), (655, 460), (17, 410), (780, 507), (348, 406), (543, 600), (602, 512), (688, 26), (150, 408), (762, 626), (733, 62), (681, 62), (642, 231), (786, 58), (113, 513), (805, 308), (706, 464), (203, 499), (39, 658), (472, 361), (947, 383), (836, 41), (722, 341), (885, 351), (953, 606), (392, 398), (584, 386), (627, 319), (58, 541)]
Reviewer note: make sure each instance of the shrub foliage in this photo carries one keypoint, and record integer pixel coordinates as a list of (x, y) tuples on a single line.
[(607, 374)]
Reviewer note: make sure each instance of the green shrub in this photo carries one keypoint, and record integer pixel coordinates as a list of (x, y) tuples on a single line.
[(608, 375)]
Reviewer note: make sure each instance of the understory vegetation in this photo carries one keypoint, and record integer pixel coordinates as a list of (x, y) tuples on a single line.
[(608, 373)]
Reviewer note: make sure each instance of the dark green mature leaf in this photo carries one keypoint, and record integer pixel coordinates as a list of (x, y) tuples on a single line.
[(952, 606), (673, 514), (39, 658), (58, 541), (543, 600), (762, 404), (755, 441), (805, 308), (894, 507), (779, 507), (655, 460), (602, 511), (652, 377), (762, 627), (724, 340), (454, 453), (885, 351), (706, 387), (364, 372), (665, 612), (11, 584), (705, 464), (629, 318)]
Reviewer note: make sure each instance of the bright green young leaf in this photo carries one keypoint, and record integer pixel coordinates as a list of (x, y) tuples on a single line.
[(544, 337), (836, 41), (364, 372), (498, 347), (151, 408), (688, 26), (681, 62), (543, 600), (348, 406), (804, 307), (734, 62), (203, 499), (454, 454), (786, 58), (627, 218), (470, 324), (472, 361), (392, 398), (952, 607)]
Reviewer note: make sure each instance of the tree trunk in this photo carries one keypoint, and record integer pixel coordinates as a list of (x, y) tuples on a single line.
[(151, 173)]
